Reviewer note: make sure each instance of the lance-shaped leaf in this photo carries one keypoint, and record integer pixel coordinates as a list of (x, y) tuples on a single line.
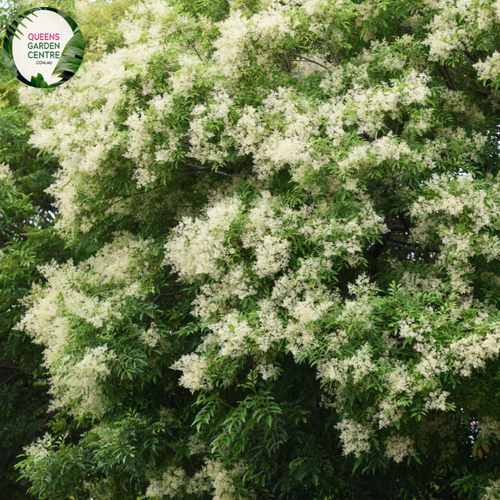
[(72, 55)]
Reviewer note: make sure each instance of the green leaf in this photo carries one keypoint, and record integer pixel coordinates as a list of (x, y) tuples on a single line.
[(72, 55), (67, 63), (75, 45), (38, 81)]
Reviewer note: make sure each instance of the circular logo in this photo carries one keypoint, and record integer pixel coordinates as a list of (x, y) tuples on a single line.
[(43, 47)]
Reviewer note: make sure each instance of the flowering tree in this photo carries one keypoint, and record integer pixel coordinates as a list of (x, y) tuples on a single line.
[(295, 291), (27, 240)]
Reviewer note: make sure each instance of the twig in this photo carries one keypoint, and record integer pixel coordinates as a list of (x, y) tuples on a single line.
[(197, 168), (207, 169), (448, 84), (397, 227), (30, 155), (36, 404), (33, 393), (410, 249), (134, 194), (192, 45), (8, 367), (480, 92), (446, 69), (49, 415), (378, 194), (12, 377), (309, 60), (471, 56)]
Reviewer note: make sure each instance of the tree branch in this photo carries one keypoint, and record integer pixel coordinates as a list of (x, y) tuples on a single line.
[(35, 405), (309, 60), (200, 168), (446, 69), (8, 367), (409, 249), (471, 56), (33, 393), (30, 155), (445, 78), (397, 227), (12, 377), (478, 91), (49, 415), (196, 168)]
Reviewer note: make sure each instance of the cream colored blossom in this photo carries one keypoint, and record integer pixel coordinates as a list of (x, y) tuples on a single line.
[(354, 368), (194, 369), (199, 245), (489, 427), (40, 448), (399, 447), (53, 310), (212, 477), (272, 256), (355, 437), (268, 371), (5, 173), (492, 491), (151, 336)]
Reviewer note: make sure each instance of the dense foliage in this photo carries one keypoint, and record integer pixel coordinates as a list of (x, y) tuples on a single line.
[(283, 221), (27, 240)]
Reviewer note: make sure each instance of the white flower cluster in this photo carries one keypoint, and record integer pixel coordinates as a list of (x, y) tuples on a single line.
[(450, 201), (490, 67), (492, 491), (212, 477), (151, 336), (51, 318), (355, 437), (194, 371), (472, 352), (40, 448), (367, 108), (457, 24), (489, 427), (268, 371), (5, 173), (201, 247), (79, 381), (398, 447), (351, 370)]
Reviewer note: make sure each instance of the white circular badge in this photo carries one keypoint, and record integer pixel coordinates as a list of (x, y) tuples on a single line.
[(44, 47)]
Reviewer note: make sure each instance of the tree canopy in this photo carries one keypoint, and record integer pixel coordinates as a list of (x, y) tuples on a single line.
[(281, 226)]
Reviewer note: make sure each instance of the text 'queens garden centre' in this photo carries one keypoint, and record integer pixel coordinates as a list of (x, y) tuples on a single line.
[(51, 49)]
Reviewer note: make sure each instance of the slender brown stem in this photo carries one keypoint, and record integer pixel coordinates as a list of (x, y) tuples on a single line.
[(36, 404), (471, 56), (9, 367), (11, 378), (309, 60), (33, 393), (410, 249)]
